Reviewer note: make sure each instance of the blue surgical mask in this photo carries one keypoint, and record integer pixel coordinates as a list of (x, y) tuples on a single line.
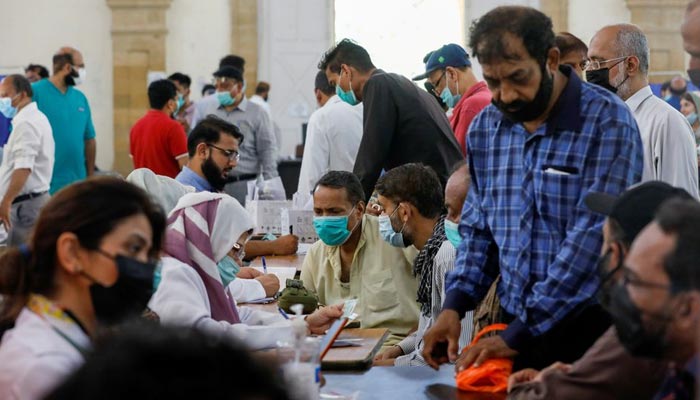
[(387, 232), (225, 98), (228, 269), (180, 103), (692, 118), (349, 96), (157, 275), (452, 233), (447, 96), (6, 108), (333, 231)]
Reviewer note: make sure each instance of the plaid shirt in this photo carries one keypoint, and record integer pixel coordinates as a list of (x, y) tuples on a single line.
[(524, 216)]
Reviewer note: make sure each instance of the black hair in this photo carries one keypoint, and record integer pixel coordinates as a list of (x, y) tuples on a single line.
[(155, 362), (206, 88), (413, 183), (233, 60), (230, 73), (160, 92), (321, 83), (21, 84), (346, 52), (666, 85), (488, 34), (568, 43), (343, 180), (262, 87), (209, 130), (90, 209), (681, 218), (60, 60), (39, 69), (181, 78)]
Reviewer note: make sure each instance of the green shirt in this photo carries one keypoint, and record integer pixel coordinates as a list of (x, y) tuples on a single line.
[(71, 122)]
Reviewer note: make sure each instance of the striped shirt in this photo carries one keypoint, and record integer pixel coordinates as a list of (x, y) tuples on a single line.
[(524, 215), (413, 344)]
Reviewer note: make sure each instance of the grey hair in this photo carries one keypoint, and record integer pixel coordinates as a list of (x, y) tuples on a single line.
[(631, 41)]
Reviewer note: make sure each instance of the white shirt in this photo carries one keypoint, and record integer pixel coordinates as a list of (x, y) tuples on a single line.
[(244, 290), (30, 146), (257, 99), (181, 300), (669, 142), (333, 137), (34, 358)]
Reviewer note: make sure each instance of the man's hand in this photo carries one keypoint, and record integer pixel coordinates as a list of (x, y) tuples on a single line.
[(522, 376), (285, 245), (484, 349), (387, 357), (373, 209), (322, 319), (270, 283), (5, 210), (445, 331), (248, 273)]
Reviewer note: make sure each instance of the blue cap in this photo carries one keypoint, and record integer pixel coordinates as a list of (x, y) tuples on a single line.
[(449, 55)]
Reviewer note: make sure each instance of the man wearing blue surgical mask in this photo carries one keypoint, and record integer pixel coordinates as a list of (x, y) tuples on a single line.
[(414, 193), (258, 151), (449, 72), (351, 261)]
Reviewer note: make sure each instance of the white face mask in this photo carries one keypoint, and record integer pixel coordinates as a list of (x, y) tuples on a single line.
[(81, 77)]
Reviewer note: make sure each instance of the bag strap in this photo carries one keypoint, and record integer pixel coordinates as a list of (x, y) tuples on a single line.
[(488, 329)]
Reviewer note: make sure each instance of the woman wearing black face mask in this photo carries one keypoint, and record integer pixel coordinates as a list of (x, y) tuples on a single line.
[(86, 266)]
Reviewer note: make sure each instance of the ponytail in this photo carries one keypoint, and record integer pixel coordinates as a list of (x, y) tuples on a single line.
[(14, 285)]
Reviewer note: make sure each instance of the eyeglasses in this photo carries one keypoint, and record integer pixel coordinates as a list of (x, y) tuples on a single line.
[(436, 84), (232, 155), (630, 278), (239, 251), (592, 65)]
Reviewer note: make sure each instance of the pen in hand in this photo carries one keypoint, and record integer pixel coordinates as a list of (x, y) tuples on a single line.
[(264, 265)]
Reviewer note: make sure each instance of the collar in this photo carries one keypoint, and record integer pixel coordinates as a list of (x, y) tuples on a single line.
[(243, 105), (566, 113), (477, 87), (638, 98), (332, 100), (20, 117), (202, 183)]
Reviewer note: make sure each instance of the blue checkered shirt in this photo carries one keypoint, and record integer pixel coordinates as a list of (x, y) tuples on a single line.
[(524, 216)]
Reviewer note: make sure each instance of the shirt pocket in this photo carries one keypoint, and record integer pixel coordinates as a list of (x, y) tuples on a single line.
[(556, 196), (380, 291)]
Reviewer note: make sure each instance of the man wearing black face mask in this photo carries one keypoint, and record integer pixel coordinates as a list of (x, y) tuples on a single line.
[(655, 306), (619, 61), (607, 371), (547, 140), (677, 89)]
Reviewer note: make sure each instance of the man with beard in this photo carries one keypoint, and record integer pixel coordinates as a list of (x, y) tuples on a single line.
[(546, 141), (690, 29), (619, 61), (69, 114)]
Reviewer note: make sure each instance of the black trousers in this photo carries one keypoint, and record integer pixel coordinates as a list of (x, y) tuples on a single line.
[(566, 342)]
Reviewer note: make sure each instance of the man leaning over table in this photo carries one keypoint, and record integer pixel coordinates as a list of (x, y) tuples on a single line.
[(351, 261)]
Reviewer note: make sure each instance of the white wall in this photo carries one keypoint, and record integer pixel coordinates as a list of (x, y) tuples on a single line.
[(33, 31), (586, 17), (292, 36), (199, 35)]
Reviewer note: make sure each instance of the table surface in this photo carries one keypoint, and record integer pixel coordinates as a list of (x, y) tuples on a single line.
[(355, 358), (293, 261), (405, 383)]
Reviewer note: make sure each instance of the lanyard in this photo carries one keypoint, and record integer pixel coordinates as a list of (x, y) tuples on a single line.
[(43, 307)]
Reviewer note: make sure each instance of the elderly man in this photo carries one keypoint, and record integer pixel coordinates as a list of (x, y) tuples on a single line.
[(546, 141), (619, 61), (68, 112), (25, 173)]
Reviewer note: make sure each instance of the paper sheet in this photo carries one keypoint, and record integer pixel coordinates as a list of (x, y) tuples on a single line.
[(303, 248), (282, 273)]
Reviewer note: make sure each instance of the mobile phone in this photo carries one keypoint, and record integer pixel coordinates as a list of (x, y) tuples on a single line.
[(439, 350)]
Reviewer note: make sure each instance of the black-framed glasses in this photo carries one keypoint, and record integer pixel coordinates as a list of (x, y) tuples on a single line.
[(436, 84), (232, 155), (630, 278)]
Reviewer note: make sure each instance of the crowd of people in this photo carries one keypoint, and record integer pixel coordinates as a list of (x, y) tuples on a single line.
[(558, 196)]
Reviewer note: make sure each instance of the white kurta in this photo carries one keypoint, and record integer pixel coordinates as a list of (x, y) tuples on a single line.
[(34, 358), (181, 299)]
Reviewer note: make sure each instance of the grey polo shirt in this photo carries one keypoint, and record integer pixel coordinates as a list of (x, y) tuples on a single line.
[(259, 148)]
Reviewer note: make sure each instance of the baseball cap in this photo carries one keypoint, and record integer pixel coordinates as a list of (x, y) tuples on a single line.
[(229, 72), (449, 55), (635, 208)]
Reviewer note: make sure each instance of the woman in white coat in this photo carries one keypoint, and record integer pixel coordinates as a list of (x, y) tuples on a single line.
[(87, 265), (203, 229)]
